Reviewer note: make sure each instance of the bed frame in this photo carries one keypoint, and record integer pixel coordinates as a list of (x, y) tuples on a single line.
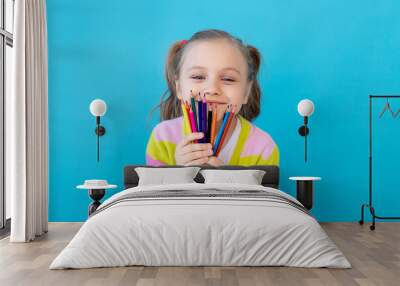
[(270, 179)]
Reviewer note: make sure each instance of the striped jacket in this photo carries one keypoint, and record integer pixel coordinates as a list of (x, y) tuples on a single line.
[(253, 147)]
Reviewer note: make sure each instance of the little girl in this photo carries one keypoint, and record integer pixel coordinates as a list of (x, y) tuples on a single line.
[(220, 66)]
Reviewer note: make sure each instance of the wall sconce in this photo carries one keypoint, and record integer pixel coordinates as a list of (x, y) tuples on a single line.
[(98, 108), (305, 109)]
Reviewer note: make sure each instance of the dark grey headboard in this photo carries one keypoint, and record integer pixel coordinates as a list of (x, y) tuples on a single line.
[(270, 179)]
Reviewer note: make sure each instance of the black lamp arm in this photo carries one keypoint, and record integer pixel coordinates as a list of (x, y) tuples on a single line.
[(304, 131), (100, 131)]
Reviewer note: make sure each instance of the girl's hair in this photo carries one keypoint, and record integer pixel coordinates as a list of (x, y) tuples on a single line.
[(170, 107)]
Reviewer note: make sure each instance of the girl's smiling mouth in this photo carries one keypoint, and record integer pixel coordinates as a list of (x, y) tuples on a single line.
[(216, 102)]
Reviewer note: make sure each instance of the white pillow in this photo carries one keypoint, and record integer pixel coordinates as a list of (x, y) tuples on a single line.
[(165, 176), (249, 177)]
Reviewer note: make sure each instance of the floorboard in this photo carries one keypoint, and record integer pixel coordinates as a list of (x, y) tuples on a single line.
[(374, 255)]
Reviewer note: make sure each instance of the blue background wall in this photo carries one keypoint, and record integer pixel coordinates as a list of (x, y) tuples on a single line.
[(333, 52)]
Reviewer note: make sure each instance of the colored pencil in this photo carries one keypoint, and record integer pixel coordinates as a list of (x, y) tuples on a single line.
[(220, 131), (213, 124), (200, 115), (194, 109), (209, 121), (228, 124), (187, 108), (204, 127), (187, 105), (186, 123), (192, 122)]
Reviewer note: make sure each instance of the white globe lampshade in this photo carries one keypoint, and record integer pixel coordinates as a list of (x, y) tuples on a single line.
[(98, 107), (305, 107)]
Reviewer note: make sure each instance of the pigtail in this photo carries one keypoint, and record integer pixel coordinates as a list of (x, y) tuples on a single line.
[(171, 66), (252, 109), (169, 107)]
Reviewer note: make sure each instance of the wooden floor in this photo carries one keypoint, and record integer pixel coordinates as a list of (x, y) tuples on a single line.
[(375, 257)]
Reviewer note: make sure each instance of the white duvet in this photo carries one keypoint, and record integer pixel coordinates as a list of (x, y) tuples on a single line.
[(200, 231)]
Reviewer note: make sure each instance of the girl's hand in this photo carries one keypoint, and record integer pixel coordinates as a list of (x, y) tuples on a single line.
[(188, 153), (214, 161)]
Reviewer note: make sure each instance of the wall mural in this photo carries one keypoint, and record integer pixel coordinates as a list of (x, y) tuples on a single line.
[(213, 96)]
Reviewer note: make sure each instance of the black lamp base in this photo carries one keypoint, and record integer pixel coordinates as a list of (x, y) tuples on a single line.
[(96, 195), (100, 130), (303, 130)]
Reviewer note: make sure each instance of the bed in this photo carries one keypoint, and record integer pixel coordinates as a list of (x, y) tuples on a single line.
[(198, 224)]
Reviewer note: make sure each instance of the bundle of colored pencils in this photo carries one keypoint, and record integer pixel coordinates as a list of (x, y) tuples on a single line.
[(201, 116)]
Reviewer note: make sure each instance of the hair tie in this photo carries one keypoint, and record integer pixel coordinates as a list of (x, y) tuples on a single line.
[(183, 42)]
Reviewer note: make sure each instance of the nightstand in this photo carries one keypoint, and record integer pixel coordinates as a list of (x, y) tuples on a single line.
[(96, 190), (305, 190)]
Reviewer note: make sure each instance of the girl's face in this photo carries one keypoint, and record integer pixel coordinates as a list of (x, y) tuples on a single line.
[(218, 69)]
